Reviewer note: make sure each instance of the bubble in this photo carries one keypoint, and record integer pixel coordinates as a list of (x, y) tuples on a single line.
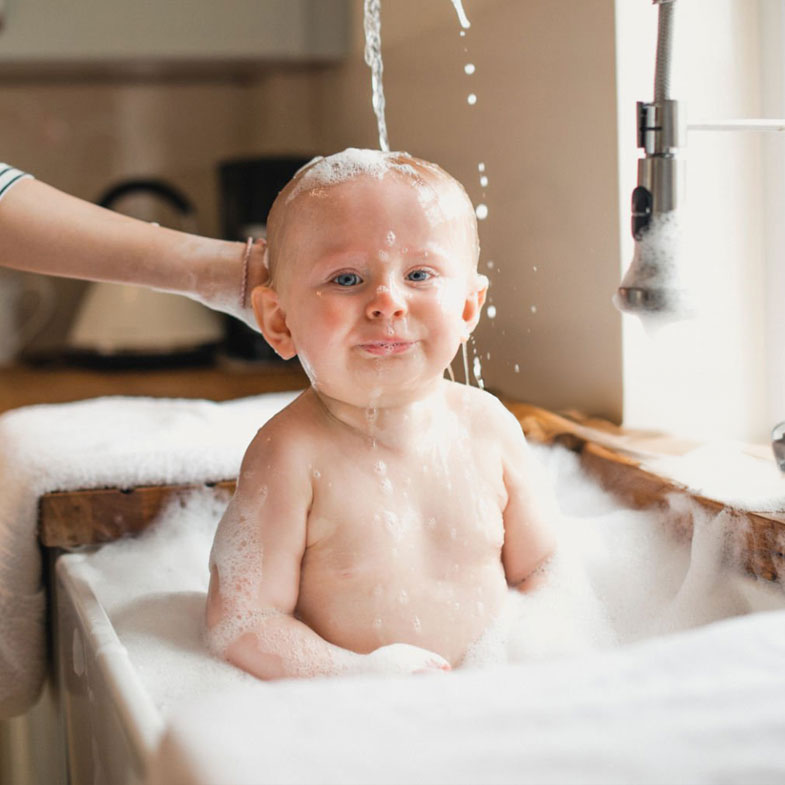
[(517, 368), (469, 68), (534, 309), (390, 239), (490, 264), (491, 311), (480, 167), (471, 99), (534, 267), (380, 467), (316, 474), (484, 181), (482, 212)]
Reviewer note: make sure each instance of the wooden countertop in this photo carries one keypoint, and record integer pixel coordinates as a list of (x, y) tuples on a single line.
[(23, 386)]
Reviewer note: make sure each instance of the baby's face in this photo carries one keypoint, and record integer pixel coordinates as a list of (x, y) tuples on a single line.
[(376, 281)]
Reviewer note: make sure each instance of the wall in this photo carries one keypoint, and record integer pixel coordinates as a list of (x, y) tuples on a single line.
[(544, 125)]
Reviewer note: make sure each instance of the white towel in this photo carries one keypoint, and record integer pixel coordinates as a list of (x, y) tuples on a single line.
[(105, 442)]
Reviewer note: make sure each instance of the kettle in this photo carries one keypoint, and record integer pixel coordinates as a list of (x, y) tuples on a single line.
[(124, 326)]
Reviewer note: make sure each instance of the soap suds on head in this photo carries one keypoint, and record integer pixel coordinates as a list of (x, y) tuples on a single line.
[(350, 163), (440, 195)]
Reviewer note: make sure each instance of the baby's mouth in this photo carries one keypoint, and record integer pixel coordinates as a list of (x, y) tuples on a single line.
[(384, 348)]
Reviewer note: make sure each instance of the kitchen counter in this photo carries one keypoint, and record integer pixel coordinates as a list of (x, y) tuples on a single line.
[(23, 386)]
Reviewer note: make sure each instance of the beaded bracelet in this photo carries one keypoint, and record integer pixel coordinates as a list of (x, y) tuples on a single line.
[(246, 258)]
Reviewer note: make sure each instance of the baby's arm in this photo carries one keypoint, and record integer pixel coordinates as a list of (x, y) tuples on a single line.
[(255, 576), (531, 511)]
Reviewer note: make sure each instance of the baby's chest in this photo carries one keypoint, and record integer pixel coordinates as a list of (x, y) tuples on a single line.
[(423, 508)]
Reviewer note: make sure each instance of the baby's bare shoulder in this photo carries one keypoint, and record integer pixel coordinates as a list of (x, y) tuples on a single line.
[(484, 412), (286, 438)]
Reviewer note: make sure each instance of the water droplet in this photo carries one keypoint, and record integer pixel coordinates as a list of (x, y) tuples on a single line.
[(487, 355), (377, 623), (417, 624), (481, 167), (463, 34), (482, 212), (390, 237), (471, 99), (403, 597), (534, 309), (491, 310), (517, 368), (484, 181), (316, 474), (431, 523), (534, 267), (489, 264), (381, 467), (469, 68)]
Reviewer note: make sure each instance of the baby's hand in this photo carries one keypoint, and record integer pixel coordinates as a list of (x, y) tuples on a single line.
[(403, 658)]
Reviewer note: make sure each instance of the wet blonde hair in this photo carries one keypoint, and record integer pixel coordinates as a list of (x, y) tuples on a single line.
[(322, 173)]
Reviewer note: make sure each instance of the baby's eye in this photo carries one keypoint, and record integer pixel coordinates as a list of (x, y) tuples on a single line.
[(347, 279), (419, 275)]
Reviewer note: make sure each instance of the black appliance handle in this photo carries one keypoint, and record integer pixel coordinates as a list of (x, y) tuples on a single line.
[(167, 192)]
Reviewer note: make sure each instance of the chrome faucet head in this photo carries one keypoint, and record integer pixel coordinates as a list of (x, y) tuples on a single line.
[(778, 445)]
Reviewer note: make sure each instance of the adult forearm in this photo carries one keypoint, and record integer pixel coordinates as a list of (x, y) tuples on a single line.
[(44, 230)]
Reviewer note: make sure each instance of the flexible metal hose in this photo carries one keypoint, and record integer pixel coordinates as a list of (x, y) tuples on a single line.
[(662, 71)]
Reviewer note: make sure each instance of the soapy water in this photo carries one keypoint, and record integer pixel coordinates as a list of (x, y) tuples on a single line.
[(462, 18), (620, 576), (373, 57)]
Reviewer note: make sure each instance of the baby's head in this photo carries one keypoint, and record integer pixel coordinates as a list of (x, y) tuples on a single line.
[(440, 195), (372, 256)]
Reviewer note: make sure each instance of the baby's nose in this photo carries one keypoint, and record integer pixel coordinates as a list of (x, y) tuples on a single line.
[(387, 302)]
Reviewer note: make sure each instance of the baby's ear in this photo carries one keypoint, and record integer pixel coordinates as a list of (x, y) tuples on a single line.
[(272, 321), (472, 308)]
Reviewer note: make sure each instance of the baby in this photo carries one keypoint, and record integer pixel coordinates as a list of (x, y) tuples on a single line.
[(380, 518)]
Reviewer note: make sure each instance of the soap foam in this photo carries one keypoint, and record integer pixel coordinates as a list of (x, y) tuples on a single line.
[(658, 265), (441, 197), (619, 576)]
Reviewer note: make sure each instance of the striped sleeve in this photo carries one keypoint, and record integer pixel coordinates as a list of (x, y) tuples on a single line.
[(9, 176)]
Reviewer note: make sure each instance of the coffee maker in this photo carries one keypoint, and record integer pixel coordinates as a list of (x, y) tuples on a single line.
[(248, 188)]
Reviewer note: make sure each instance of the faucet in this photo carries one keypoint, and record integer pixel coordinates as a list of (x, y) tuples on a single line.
[(650, 286)]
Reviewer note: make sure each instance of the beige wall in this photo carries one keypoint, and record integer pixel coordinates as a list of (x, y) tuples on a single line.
[(544, 125)]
